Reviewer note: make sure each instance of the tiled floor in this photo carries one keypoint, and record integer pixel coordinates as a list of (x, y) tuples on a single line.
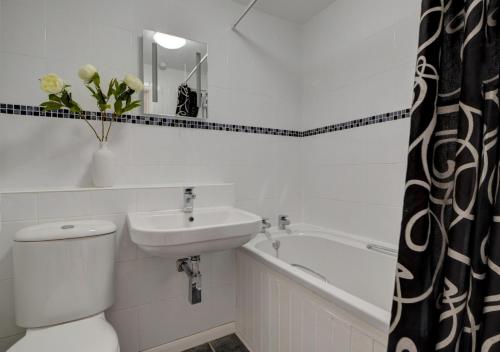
[(229, 343)]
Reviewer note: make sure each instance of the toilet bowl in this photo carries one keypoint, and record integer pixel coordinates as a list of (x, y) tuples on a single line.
[(92, 334), (63, 282)]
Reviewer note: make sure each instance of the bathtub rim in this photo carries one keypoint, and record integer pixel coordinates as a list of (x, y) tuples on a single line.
[(366, 311)]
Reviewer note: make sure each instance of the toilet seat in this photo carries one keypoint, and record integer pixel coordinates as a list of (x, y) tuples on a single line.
[(92, 334)]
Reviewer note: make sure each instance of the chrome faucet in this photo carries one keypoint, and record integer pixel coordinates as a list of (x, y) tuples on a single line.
[(189, 198), (264, 229), (283, 222), (265, 226)]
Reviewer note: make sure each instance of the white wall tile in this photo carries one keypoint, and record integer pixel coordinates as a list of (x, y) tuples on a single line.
[(214, 196), (72, 42), (105, 202), (18, 206), (57, 205), (159, 199), (223, 267), (122, 11), (376, 222), (28, 38), (23, 72), (159, 322), (356, 66), (7, 232)]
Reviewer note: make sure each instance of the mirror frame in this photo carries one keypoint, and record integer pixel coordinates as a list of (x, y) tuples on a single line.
[(169, 116)]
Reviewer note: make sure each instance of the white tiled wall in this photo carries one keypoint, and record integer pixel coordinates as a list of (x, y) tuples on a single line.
[(357, 60), (253, 80), (151, 295), (57, 152), (253, 75)]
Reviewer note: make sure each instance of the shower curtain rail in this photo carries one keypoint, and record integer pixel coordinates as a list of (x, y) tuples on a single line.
[(249, 7), (196, 68)]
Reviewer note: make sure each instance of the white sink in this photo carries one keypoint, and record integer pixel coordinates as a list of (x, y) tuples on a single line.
[(178, 234)]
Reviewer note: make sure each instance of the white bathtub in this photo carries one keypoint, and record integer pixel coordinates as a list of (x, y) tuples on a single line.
[(347, 287)]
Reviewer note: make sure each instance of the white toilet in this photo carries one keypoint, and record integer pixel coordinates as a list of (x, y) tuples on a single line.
[(63, 282)]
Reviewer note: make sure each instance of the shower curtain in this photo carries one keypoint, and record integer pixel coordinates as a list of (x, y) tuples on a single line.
[(447, 286)]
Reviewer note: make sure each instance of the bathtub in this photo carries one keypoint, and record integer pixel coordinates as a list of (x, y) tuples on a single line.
[(320, 291)]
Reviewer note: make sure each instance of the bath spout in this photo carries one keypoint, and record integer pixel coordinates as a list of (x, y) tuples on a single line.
[(275, 243)]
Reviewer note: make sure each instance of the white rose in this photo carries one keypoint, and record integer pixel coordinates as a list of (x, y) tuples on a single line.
[(133, 82), (51, 83), (86, 72)]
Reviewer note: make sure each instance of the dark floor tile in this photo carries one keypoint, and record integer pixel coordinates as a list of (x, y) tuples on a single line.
[(230, 343), (201, 348)]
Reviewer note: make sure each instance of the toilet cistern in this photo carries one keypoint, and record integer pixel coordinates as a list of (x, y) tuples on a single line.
[(63, 283)]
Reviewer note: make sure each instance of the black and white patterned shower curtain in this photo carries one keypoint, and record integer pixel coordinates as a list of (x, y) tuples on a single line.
[(447, 286)]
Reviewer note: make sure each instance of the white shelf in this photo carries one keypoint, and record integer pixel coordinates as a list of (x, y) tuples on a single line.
[(118, 187)]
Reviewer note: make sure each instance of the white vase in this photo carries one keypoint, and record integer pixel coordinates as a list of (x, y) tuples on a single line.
[(103, 166)]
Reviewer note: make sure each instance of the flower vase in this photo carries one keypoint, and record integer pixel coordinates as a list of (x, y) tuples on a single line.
[(103, 166)]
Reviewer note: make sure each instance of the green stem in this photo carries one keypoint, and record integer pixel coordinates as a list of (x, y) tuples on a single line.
[(102, 125), (82, 114), (113, 116)]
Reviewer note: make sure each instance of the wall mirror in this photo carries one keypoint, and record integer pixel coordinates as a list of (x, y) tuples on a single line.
[(175, 72)]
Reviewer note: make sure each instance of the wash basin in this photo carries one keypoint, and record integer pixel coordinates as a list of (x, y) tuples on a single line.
[(174, 233)]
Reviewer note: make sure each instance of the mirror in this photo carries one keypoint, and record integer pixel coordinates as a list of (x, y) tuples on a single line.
[(175, 72)]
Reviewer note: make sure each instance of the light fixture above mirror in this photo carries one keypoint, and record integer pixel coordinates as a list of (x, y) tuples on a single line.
[(169, 41)]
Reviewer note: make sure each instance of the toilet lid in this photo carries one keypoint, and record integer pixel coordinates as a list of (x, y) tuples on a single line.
[(92, 334)]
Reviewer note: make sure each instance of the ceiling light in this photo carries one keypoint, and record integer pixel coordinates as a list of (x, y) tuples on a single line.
[(169, 41)]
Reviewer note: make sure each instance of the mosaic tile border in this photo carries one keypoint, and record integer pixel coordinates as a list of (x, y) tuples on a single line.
[(36, 111), (389, 116)]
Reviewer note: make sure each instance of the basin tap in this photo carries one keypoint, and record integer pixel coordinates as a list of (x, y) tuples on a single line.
[(189, 198)]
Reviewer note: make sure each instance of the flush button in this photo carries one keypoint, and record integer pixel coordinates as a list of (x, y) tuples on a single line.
[(67, 227)]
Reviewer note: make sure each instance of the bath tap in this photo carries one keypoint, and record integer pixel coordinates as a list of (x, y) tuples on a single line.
[(264, 227), (275, 243), (283, 222), (189, 198), (265, 224)]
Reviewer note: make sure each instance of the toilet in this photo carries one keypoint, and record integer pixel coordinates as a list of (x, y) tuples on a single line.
[(63, 283)]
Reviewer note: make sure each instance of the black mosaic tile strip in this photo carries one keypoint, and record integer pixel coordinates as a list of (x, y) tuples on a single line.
[(390, 116), (36, 111)]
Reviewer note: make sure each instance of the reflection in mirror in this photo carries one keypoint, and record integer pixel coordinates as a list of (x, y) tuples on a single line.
[(175, 72)]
